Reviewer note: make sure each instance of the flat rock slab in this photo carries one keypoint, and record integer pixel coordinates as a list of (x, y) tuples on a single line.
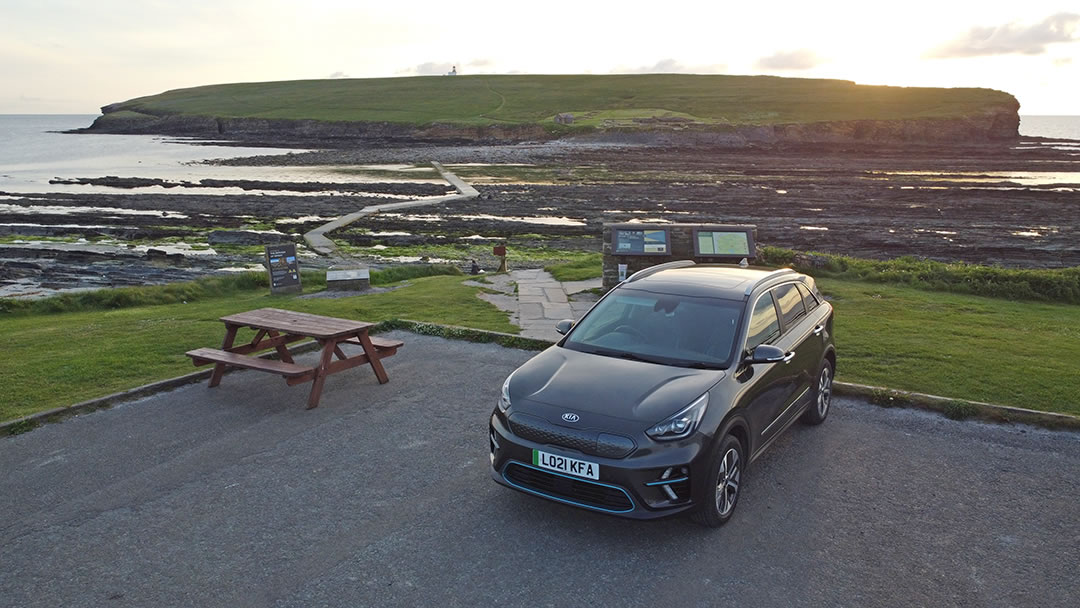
[(381, 496)]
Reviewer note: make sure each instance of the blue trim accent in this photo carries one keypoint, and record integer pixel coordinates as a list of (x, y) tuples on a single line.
[(664, 482), (565, 500)]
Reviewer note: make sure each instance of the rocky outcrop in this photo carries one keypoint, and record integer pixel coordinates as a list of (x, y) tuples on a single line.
[(991, 125), (248, 237), (260, 128)]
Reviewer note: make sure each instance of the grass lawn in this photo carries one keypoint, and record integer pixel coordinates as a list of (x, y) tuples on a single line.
[(54, 360), (968, 347), (595, 100), (589, 267), (954, 345), (460, 253)]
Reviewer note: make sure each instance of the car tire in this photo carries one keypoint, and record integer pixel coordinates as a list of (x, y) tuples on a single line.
[(822, 403), (722, 491)]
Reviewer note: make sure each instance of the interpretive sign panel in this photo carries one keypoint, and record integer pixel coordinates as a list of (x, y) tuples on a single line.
[(283, 267), (733, 242), (647, 241)]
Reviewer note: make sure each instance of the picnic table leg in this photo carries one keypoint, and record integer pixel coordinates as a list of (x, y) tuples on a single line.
[(329, 346), (219, 368), (373, 357), (282, 350)]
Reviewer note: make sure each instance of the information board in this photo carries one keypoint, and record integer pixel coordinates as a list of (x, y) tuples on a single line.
[(647, 241), (723, 243), (283, 268)]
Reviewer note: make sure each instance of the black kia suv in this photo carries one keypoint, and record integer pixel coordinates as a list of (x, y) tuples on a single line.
[(655, 402)]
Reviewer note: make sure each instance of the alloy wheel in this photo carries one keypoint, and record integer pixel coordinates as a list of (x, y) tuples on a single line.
[(824, 392), (727, 486)]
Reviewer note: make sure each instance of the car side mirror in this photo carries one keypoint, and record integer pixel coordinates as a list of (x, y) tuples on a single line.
[(564, 326), (766, 353)]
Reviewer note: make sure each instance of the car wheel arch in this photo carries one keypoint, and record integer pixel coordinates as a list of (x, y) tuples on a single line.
[(830, 356), (737, 427)]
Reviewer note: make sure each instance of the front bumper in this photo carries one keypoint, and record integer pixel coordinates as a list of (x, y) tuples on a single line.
[(649, 483)]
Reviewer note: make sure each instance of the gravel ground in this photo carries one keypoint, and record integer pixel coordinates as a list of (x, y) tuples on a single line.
[(237, 496)]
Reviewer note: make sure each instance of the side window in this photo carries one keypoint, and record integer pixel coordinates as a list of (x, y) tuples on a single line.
[(764, 326), (791, 306), (808, 299)]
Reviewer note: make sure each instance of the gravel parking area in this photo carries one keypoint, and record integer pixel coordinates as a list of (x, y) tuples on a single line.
[(382, 496)]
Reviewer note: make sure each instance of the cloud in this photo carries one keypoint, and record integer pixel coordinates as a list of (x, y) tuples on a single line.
[(480, 63), (1061, 62), (801, 59), (672, 66), (338, 74), (1011, 38)]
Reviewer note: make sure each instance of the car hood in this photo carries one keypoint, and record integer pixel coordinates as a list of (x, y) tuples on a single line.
[(578, 382)]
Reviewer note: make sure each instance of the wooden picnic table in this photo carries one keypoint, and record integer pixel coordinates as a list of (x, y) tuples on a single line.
[(275, 328)]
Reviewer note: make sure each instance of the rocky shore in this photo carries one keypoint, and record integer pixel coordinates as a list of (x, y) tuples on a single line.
[(1008, 204)]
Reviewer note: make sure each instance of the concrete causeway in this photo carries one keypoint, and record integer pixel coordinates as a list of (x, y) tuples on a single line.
[(321, 244), (540, 301)]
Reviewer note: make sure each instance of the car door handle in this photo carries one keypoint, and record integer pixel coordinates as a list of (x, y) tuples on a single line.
[(818, 330), (788, 357)]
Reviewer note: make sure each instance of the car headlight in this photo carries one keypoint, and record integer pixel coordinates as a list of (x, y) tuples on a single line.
[(681, 424), (504, 399)]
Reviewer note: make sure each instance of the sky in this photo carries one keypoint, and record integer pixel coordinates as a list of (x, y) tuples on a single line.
[(74, 56)]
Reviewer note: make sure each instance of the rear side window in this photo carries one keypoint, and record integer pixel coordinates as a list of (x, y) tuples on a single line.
[(764, 326), (808, 299), (791, 304)]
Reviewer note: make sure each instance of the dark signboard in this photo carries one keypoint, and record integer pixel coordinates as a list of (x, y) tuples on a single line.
[(640, 241), (724, 241), (283, 267)]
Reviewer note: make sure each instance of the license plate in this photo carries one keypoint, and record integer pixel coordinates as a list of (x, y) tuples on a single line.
[(566, 465)]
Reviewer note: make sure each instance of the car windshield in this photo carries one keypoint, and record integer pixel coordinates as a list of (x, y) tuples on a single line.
[(661, 328)]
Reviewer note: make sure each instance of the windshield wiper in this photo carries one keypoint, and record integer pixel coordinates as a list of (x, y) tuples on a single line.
[(701, 365), (610, 352), (635, 357)]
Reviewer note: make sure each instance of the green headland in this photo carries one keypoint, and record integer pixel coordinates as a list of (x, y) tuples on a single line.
[(593, 102)]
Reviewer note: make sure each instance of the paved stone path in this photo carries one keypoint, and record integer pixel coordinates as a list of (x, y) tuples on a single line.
[(540, 300)]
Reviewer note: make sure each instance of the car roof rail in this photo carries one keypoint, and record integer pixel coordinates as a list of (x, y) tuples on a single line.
[(769, 277), (641, 274)]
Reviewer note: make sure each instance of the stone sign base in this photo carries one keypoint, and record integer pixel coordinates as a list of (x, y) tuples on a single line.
[(348, 279)]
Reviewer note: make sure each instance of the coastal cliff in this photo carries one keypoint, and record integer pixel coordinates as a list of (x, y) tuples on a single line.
[(988, 127)]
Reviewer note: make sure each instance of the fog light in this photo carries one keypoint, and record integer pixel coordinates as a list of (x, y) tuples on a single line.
[(494, 446), (669, 478)]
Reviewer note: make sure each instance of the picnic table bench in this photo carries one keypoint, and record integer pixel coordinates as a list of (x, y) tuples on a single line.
[(275, 328)]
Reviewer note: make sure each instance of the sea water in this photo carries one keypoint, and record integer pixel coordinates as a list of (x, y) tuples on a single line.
[(34, 149), (1055, 127)]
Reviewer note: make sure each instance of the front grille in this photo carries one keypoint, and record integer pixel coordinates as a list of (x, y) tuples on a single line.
[(567, 489), (586, 442)]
